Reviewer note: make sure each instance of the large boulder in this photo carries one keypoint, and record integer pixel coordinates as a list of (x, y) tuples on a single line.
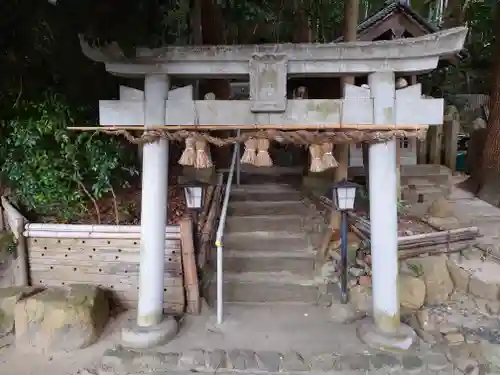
[(440, 208), (459, 275), (438, 283), (61, 319), (8, 298), (411, 293)]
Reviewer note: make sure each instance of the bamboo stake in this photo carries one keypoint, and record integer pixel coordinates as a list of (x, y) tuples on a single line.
[(372, 127), (189, 266), (207, 230), (432, 250), (434, 235), (208, 202)]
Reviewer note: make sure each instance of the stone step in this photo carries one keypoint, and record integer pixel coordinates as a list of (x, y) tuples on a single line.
[(266, 241), (289, 223), (274, 170), (423, 194), (249, 208), (254, 188), (279, 287), (298, 263), (270, 195)]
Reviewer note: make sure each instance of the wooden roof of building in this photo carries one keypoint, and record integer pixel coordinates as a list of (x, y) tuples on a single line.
[(397, 20)]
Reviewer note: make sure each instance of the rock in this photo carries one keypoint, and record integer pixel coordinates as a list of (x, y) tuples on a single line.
[(357, 271), (217, 359), (8, 298), (353, 243), (322, 362), (485, 279), (362, 299), (436, 277), (491, 353), (411, 292), (365, 280), (430, 338), (61, 319), (446, 329), (6, 240), (412, 364), (493, 307), (193, 359), (424, 320), (436, 361), (454, 338), (472, 338), (487, 307), (473, 254), (294, 362), (441, 208), (269, 361), (459, 275), (345, 313)]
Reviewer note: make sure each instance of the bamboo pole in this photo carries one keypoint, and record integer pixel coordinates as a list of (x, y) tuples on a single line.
[(92, 235), (207, 230), (16, 222), (191, 284), (208, 202), (372, 127), (434, 235), (47, 227)]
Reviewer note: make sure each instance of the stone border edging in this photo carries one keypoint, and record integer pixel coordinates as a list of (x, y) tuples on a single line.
[(123, 361)]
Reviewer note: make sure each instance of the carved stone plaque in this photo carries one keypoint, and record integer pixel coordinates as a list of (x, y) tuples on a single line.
[(268, 82)]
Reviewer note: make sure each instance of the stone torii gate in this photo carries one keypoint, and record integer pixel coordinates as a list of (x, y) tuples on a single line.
[(379, 107)]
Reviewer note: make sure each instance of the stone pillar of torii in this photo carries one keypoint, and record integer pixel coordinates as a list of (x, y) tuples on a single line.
[(268, 68)]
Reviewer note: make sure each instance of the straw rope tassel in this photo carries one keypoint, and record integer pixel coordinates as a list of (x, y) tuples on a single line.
[(250, 154), (202, 157), (316, 159), (263, 159), (188, 156), (328, 158)]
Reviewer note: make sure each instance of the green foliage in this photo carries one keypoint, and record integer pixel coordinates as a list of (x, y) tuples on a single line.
[(51, 170)]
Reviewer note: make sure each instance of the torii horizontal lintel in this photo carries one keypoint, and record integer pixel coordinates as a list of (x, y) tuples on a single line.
[(412, 55), (308, 113)]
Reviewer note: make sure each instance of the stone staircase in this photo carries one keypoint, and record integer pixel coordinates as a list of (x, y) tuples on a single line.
[(267, 254)]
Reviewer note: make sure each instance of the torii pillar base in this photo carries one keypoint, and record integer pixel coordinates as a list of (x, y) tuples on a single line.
[(139, 337), (402, 339)]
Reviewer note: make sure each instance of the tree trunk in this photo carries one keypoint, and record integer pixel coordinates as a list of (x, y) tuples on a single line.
[(490, 177), (454, 13), (213, 33)]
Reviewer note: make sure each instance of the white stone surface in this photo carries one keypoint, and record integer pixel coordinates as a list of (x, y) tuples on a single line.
[(357, 108), (153, 208), (383, 208), (403, 55)]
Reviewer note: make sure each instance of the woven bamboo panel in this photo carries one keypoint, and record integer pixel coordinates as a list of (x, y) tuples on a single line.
[(112, 264)]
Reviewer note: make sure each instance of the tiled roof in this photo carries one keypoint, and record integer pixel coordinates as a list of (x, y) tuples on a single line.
[(390, 9)]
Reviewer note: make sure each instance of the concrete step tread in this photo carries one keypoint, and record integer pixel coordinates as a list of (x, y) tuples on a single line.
[(266, 234), (250, 169), (279, 278), (269, 254), (265, 203), (428, 190), (286, 217), (263, 188)]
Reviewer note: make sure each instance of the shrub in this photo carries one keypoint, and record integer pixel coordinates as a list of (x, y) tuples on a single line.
[(53, 171)]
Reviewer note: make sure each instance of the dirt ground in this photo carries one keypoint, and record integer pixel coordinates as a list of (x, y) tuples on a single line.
[(305, 329)]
